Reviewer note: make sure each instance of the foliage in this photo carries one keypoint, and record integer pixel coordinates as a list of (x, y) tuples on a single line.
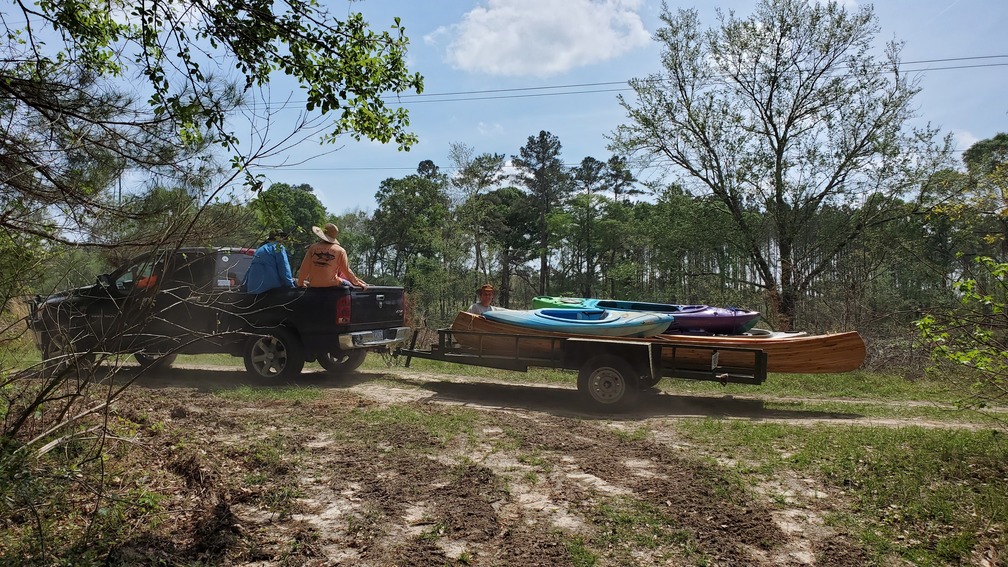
[(784, 112), (987, 166), (970, 345), (509, 223), (294, 209), (95, 93), (410, 216), (543, 175), (73, 129)]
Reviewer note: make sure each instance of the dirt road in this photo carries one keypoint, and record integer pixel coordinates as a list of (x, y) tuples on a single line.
[(406, 468)]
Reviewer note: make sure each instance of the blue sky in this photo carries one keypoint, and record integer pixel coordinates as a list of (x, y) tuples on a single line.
[(557, 65)]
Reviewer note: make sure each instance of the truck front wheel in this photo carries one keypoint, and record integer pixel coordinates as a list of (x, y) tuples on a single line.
[(59, 351), (608, 382), (341, 362), (278, 354), (154, 360)]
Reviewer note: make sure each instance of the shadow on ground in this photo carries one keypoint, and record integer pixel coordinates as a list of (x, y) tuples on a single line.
[(558, 400), (650, 404)]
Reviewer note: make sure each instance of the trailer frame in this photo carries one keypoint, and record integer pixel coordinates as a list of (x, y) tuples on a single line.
[(612, 371)]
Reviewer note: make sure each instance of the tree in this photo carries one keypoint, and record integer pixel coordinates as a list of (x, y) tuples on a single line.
[(510, 225), (542, 173), (787, 111), (987, 166), (72, 130), (135, 87), (409, 217), (293, 208), (620, 179), (589, 179), (475, 175), (969, 345)]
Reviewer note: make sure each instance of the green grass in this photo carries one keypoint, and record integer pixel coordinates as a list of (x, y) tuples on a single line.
[(851, 385), (634, 524), (929, 411), (444, 426), (289, 393), (923, 494)]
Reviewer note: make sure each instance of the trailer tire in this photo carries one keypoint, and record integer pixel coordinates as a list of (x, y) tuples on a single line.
[(608, 382), (277, 354), (339, 362)]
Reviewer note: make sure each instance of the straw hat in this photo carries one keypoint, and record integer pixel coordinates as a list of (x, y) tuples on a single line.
[(486, 287), (329, 233)]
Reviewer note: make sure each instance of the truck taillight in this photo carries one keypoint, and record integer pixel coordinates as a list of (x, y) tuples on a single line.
[(343, 309)]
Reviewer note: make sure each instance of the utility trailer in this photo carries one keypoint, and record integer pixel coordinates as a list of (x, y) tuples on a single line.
[(611, 371)]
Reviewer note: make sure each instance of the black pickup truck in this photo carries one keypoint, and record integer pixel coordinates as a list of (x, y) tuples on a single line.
[(189, 301)]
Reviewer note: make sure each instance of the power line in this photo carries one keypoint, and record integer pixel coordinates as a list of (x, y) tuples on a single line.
[(589, 88), (610, 83), (529, 92)]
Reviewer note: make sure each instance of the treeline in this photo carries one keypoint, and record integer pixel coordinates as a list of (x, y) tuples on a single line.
[(540, 227)]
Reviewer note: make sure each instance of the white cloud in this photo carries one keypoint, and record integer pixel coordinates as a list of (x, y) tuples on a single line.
[(542, 37), (963, 139), (490, 128)]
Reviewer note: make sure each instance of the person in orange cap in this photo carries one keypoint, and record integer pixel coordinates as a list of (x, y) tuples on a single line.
[(485, 295)]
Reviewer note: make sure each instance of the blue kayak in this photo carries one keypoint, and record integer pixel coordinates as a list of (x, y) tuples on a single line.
[(688, 318), (589, 321)]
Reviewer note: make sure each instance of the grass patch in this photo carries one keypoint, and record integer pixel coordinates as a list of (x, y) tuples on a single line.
[(926, 411), (930, 496), (850, 385), (286, 393), (441, 425), (634, 524)]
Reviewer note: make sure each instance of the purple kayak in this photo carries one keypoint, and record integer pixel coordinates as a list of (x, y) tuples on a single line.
[(688, 318)]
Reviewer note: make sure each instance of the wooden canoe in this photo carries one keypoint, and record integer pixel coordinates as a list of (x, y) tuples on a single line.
[(797, 353)]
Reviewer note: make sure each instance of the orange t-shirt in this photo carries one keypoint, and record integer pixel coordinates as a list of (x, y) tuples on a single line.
[(324, 265)]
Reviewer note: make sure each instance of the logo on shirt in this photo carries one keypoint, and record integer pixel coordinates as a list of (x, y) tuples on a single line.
[(323, 258)]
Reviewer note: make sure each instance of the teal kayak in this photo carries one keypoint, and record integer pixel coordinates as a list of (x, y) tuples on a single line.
[(588, 321), (688, 318)]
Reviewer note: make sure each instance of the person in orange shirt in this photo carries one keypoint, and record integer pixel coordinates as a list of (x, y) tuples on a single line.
[(150, 280), (325, 263)]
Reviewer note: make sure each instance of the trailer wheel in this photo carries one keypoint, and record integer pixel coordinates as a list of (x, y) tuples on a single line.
[(278, 354), (608, 382), (340, 362)]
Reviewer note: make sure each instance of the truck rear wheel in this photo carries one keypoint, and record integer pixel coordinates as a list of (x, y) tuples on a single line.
[(341, 362), (278, 354), (608, 382)]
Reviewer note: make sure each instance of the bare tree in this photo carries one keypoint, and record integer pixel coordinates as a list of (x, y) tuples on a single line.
[(781, 114)]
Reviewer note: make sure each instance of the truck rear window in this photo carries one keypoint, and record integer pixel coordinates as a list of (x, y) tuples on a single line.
[(231, 268)]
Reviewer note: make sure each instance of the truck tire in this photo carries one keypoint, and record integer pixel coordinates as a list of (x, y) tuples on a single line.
[(153, 360), (59, 348), (278, 354), (608, 382), (342, 362)]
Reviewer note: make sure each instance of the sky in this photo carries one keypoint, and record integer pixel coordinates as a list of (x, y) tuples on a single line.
[(498, 71)]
